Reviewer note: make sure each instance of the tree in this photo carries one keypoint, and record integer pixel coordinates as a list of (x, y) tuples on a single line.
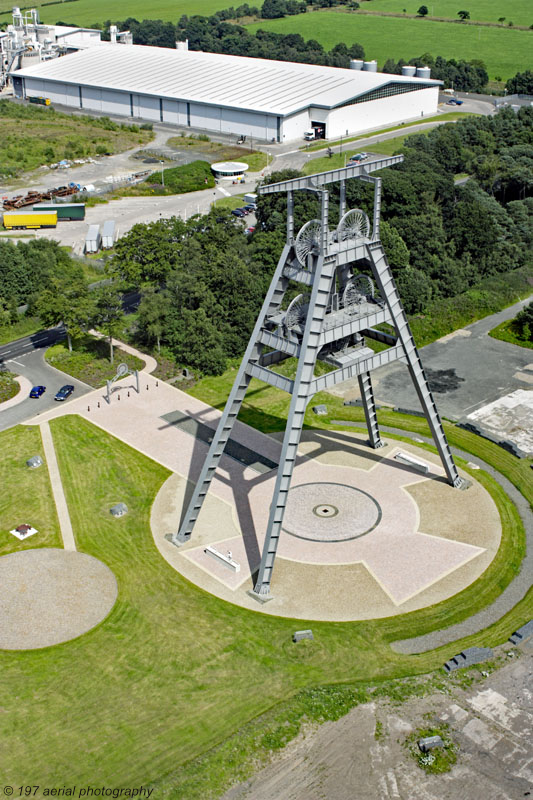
[(423, 11), (66, 299), (108, 313), (153, 310), (522, 83), (464, 15)]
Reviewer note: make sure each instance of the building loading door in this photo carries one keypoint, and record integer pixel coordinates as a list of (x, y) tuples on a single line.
[(319, 129)]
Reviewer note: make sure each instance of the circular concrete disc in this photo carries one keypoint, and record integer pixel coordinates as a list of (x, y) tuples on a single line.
[(330, 512), (50, 596)]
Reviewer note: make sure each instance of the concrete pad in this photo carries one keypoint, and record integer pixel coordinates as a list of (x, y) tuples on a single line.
[(509, 417), (51, 596)]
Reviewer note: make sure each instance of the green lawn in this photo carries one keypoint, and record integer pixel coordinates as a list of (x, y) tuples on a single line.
[(89, 360), (174, 671), (26, 494), (506, 333), (174, 664), (505, 51), (323, 163)]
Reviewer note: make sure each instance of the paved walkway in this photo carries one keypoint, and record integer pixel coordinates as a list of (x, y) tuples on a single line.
[(65, 525)]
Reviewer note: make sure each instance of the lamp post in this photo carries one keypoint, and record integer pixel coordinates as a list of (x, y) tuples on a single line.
[(162, 174)]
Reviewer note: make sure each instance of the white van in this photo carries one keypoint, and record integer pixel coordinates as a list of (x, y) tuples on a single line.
[(250, 200)]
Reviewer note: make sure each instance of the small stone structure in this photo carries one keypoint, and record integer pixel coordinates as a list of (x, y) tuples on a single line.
[(119, 510), (468, 657), (320, 410), (297, 636), (523, 634), (34, 462), (410, 461)]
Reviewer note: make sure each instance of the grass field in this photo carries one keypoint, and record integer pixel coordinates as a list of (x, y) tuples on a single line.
[(504, 51), (8, 386), (87, 12), (31, 136), (174, 671), (519, 11), (26, 494)]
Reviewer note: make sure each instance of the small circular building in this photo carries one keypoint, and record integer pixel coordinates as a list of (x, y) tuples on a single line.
[(229, 170)]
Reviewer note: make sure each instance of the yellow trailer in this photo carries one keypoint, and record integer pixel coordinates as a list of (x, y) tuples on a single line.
[(29, 219)]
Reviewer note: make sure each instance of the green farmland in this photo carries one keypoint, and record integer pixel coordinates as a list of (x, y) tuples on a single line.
[(87, 12), (505, 51), (519, 12)]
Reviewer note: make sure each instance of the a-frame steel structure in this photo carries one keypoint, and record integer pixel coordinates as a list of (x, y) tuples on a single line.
[(330, 320)]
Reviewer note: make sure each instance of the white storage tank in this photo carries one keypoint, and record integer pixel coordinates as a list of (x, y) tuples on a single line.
[(108, 234), (423, 72), (370, 66), (356, 63), (409, 71), (93, 239)]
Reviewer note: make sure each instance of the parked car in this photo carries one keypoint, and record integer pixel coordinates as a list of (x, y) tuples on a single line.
[(454, 101), (64, 392), (250, 208), (358, 157), (238, 212), (37, 391), (250, 230)]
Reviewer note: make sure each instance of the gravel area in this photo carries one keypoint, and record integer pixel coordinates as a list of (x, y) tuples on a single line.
[(51, 596)]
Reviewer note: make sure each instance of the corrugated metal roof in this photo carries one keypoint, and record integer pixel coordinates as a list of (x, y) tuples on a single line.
[(255, 84)]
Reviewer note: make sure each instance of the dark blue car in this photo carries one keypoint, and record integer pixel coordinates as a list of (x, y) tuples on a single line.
[(37, 391), (64, 392)]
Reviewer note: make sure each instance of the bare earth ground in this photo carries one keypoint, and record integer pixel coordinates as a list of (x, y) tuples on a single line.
[(491, 723)]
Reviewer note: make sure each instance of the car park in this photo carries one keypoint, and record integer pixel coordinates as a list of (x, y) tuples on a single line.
[(37, 391), (64, 392)]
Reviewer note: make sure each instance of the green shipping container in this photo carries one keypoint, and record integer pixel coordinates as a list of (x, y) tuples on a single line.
[(68, 211)]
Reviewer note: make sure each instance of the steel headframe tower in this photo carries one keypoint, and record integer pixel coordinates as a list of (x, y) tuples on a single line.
[(328, 321)]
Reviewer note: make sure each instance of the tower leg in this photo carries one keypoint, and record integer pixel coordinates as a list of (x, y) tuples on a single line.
[(324, 274), (233, 406), (369, 407), (389, 292)]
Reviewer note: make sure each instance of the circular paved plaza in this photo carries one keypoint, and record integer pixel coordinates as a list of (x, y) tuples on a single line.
[(50, 596), (364, 534)]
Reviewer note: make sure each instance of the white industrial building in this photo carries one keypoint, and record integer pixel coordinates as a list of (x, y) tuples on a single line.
[(28, 41), (266, 100)]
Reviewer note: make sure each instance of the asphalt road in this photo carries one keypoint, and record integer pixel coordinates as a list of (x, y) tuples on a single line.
[(466, 371), (26, 357)]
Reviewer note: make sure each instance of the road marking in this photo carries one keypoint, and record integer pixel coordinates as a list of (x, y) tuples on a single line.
[(220, 189), (6, 352), (12, 361)]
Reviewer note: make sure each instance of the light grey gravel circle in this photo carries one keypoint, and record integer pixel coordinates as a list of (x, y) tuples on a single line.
[(50, 596), (330, 512)]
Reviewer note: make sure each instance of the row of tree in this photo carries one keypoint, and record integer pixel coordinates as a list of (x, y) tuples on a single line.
[(463, 76)]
